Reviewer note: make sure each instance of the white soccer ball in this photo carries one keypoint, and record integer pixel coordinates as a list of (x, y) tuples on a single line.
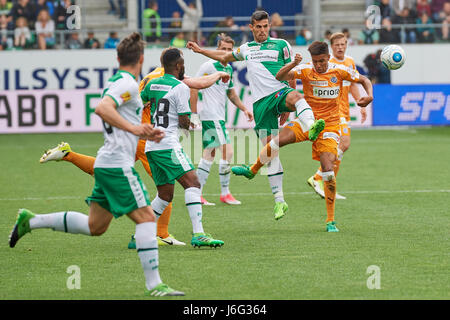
[(393, 57)]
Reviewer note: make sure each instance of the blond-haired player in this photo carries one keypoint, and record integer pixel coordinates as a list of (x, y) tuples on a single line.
[(338, 44), (86, 163), (322, 83)]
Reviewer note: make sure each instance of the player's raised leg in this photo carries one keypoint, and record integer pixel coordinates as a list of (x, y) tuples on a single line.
[(267, 154), (64, 152)]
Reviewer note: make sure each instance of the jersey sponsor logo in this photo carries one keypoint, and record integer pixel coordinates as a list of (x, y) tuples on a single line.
[(264, 55), (319, 83), (125, 96), (160, 87), (326, 93), (331, 135)]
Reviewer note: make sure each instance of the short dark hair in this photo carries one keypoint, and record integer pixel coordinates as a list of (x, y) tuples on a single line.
[(258, 16), (130, 49), (170, 57), (318, 47)]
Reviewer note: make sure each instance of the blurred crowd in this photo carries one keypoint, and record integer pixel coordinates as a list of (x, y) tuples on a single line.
[(417, 18), (32, 24)]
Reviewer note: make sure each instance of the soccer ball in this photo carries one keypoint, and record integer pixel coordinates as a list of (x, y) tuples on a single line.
[(393, 57)]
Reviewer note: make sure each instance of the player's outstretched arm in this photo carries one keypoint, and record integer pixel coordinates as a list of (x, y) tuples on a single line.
[(286, 72), (367, 85), (206, 81), (106, 110), (219, 55), (232, 95)]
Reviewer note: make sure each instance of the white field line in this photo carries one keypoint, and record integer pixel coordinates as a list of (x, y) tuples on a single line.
[(244, 194)]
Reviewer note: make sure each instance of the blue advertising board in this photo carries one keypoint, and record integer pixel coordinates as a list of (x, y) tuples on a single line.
[(411, 104)]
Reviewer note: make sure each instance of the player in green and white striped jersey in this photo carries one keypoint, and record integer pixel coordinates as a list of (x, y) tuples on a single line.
[(212, 116), (118, 188), (169, 102), (272, 99)]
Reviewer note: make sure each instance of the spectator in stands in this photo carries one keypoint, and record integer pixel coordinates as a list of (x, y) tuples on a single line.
[(387, 34), (175, 23), (385, 9), (23, 8), (368, 35), (376, 72), (436, 8), (327, 36), (276, 22), (74, 41), (304, 38), (22, 34), (91, 41), (113, 9), (223, 26), (112, 41), (350, 41), (61, 14), (5, 7), (4, 42), (400, 5), (425, 34), (445, 16), (47, 5), (421, 7), (45, 30), (151, 23), (191, 18), (178, 41), (406, 16)]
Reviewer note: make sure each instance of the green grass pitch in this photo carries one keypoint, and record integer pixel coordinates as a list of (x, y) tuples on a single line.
[(396, 217)]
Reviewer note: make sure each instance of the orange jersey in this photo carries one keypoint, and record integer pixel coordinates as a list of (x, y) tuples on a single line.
[(322, 90), (344, 104), (158, 72)]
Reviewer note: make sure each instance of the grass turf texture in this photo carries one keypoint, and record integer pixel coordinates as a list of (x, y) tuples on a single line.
[(396, 217)]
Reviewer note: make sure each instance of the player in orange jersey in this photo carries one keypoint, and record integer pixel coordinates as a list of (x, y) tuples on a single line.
[(338, 48), (86, 163), (322, 82)]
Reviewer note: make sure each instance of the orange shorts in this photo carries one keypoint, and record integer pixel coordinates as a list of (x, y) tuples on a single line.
[(344, 129), (140, 155), (327, 141)]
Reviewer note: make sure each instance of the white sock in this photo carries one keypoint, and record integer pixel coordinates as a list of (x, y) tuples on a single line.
[(204, 166), (305, 114), (65, 221), (224, 176), (194, 206), (147, 249), (275, 175), (158, 206)]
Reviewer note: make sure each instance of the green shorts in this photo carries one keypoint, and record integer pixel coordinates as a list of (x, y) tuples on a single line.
[(267, 110), (168, 165), (118, 190), (214, 134)]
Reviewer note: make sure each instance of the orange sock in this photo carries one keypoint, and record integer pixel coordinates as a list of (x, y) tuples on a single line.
[(162, 226), (85, 163), (337, 164), (317, 176), (264, 157), (329, 182)]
